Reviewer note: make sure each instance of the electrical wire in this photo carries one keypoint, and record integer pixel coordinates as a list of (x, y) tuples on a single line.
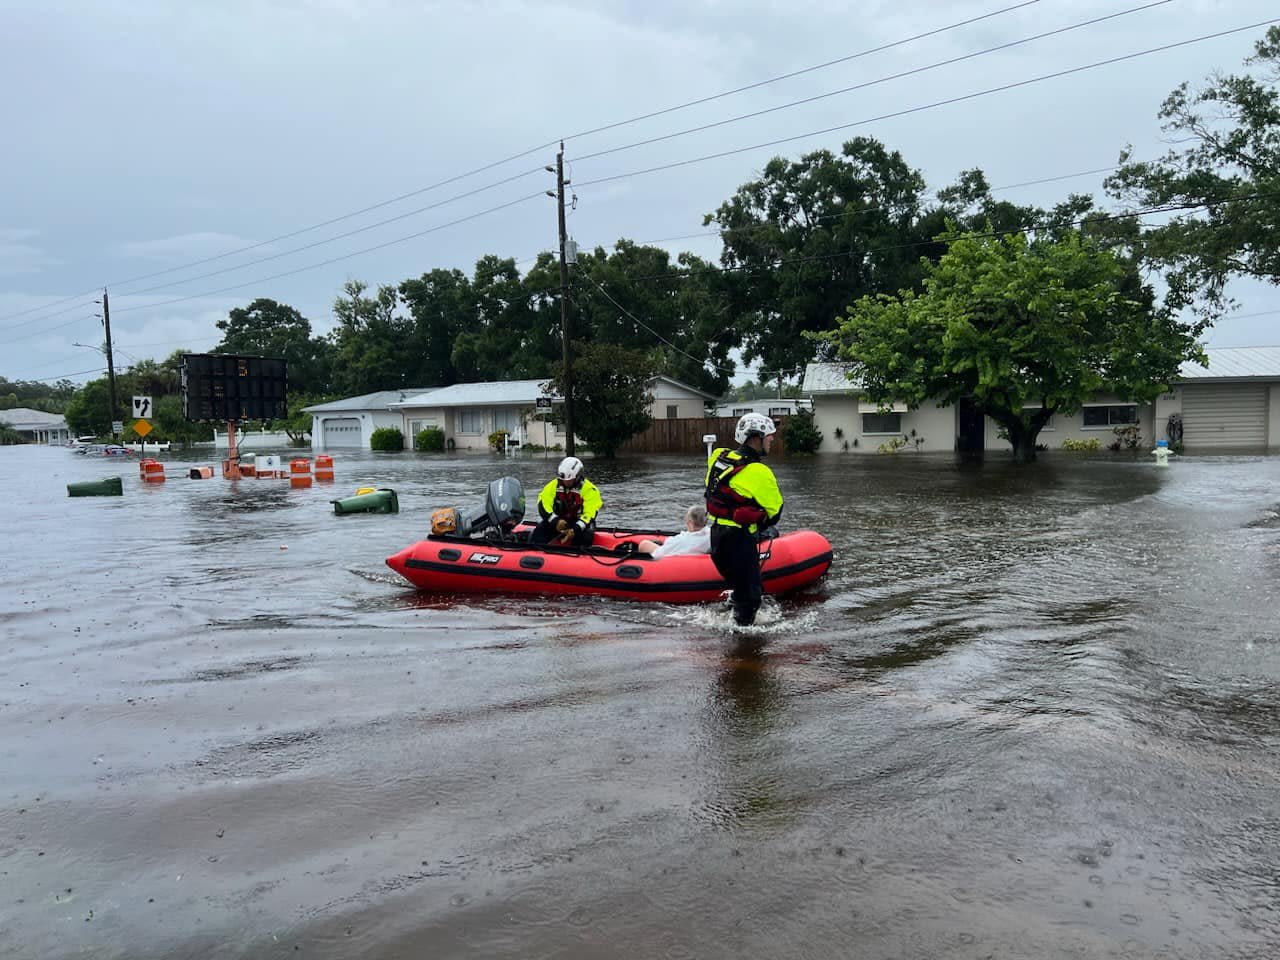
[(928, 106), (345, 256), (524, 153), (871, 83)]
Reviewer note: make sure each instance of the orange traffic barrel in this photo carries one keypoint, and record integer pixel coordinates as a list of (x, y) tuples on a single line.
[(142, 467), (324, 467), (153, 471), (300, 473), (201, 473)]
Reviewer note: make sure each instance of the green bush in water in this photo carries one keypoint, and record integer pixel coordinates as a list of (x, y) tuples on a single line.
[(387, 439), (430, 440)]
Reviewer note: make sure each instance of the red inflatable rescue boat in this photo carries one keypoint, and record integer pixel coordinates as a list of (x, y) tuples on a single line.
[(450, 564)]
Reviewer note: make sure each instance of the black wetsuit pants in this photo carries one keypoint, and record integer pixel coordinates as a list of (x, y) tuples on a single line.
[(545, 532), (737, 558)]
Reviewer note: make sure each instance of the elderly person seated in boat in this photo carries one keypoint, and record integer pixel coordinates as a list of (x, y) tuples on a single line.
[(696, 537)]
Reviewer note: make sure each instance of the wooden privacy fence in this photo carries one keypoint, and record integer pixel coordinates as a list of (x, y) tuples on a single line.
[(685, 436)]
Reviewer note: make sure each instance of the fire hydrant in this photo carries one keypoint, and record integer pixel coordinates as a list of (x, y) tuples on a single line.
[(1161, 453)]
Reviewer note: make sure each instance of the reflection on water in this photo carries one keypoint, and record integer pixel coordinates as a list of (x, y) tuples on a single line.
[(1030, 712)]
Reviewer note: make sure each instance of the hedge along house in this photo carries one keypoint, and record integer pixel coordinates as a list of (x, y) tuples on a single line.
[(1234, 403), (349, 423), (469, 413)]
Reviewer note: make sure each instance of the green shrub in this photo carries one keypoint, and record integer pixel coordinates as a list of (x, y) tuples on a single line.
[(799, 435), (498, 440), (430, 440), (387, 439), (1091, 444)]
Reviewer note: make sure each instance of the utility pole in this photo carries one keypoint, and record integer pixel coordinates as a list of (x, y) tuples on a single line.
[(564, 304), (111, 366)]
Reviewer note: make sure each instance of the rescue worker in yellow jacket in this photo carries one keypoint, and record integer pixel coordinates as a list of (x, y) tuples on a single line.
[(742, 500), (568, 506)]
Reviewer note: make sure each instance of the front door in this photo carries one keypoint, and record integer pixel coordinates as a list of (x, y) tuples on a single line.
[(970, 427)]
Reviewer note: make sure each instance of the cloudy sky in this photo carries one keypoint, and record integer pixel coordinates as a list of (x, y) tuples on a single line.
[(142, 136)]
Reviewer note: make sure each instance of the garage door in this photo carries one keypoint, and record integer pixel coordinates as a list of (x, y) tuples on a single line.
[(342, 433), (1224, 415)]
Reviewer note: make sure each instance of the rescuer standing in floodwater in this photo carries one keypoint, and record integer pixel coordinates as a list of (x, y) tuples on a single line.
[(742, 499)]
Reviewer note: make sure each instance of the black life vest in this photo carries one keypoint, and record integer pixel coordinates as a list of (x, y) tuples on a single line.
[(725, 503)]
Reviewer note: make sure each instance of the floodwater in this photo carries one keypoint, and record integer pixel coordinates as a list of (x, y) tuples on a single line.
[(1030, 713)]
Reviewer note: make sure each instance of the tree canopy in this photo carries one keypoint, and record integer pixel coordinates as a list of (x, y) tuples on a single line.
[(610, 394), (1025, 328), (1224, 175)]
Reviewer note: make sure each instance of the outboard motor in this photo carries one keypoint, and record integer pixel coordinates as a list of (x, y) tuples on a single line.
[(503, 509)]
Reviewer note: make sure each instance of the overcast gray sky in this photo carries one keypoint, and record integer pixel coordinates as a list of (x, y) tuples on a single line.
[(143, 135)]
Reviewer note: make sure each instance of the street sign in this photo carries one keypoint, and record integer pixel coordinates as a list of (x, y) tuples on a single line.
[(141, 427), (117, 427), (542, 405), (141, 406)]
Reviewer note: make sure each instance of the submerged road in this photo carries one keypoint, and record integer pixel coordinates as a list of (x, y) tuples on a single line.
[(1030, 713)]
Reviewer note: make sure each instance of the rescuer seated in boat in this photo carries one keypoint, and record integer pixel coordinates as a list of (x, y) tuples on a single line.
[(568, 506), (696, 537)]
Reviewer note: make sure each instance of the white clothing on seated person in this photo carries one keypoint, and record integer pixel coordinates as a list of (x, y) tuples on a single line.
[(697, 541)]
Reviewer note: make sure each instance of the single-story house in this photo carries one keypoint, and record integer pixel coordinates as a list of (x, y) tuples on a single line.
[(469, 412), (349, 423), (770, 408), (1233, 403), (37, 425)]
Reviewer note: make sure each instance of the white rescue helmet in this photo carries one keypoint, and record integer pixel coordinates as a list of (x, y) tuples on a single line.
[(570, 470), (753, 425)]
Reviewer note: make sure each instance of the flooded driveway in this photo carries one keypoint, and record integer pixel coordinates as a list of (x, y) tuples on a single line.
[(1030, 713)]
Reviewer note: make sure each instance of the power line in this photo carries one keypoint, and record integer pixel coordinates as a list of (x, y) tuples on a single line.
[(520, 176), (871, 83), (345, 256), (340, 236), (1095, 218), (524, 153), (928, 106)]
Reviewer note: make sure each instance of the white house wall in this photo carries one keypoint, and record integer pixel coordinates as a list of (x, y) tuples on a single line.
[(937, 427)]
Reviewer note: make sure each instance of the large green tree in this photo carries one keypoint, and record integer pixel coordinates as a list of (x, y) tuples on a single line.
[(1225, 170), (610, 394), (89, 413), (811, 235), (437, 301), (1024, 328), (370, 341)]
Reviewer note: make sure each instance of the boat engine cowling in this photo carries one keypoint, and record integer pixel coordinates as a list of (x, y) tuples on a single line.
[(503, 508), (504, 503)]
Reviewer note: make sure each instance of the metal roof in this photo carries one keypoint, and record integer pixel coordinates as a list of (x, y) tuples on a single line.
[(493, 393), (1232, 362), (24, 418), (369, 401), (1225, 363), (828, 378)]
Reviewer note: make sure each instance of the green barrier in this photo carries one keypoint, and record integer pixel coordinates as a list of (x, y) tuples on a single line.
[(379, 501), (110, 487)]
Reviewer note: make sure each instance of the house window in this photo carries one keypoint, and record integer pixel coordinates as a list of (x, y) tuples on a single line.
[(1048, 424), (882, 423), (469, 421), (673, 411), (417, 426), (1116, 415), (740, 411), (506, 418), (779, 411)]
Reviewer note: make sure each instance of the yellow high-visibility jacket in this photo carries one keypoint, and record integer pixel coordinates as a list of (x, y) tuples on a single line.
[(754, 482), (591, 502)]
